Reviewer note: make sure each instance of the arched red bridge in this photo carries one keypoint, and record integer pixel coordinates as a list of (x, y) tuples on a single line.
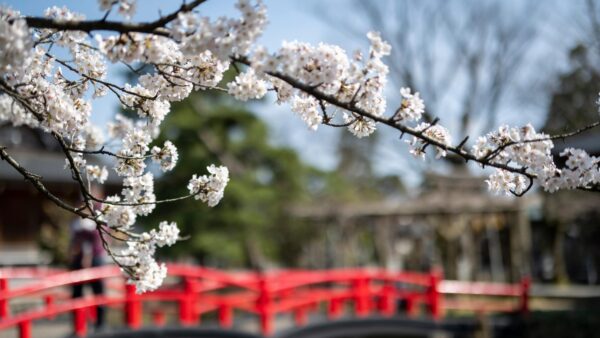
[(198, 291)]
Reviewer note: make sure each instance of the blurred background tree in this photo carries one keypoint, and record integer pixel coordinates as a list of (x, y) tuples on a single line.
[(253, 227), (573, 104), (571, 216)]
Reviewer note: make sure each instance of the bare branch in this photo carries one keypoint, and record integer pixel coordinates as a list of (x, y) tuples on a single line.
[(458, 150), (35, 180), (154, 27)]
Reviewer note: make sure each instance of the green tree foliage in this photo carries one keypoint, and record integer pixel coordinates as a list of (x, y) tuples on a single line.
[(573, 103), (254, 225), (251, 226), (572, 233)]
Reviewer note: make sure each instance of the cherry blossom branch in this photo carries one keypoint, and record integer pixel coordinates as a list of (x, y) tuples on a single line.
[(311, 90), (154, 27), (327, 119), (166, 75), (105, 83), (102, 151), (76, 174), (35, 180), (563, 136)]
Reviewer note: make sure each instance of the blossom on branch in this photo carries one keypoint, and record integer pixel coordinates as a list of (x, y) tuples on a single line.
[(15, 43), (433, 132), (247, 86), (411, 107), (53, 67), (126, 8), (166, 156), (95, 173), (209, 189)]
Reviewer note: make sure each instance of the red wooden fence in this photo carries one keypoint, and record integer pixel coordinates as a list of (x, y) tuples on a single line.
[(200, 290)]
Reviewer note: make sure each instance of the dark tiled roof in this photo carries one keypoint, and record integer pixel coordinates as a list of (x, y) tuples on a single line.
[(49, 165), (39, 153)]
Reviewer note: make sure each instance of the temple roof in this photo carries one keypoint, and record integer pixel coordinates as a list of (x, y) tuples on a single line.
[(39, 153), (458, 192)]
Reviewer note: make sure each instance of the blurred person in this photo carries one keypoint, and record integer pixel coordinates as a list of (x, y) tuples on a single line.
[(86, 251)]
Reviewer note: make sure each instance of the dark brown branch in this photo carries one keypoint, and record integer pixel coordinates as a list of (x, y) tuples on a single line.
[(153, 27), (102, 151), (458, 150), (529, 185), (490, 156), (35, 180), (311, 90), (102, 82)]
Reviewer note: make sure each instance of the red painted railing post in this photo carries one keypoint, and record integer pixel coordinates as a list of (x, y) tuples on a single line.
[(300, 315), (263, 306), (3, 300), (25, 329), (158, 318), (525, 288), (225, 315), (195, 288), (80, 325), (187, 311), (133, 307), (334, 310), (92, 313), (49, 301), (361, 297), (387, 300), (411, 305), (434, 295)]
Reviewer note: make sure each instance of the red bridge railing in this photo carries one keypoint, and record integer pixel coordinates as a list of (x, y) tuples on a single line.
[(199, 290)]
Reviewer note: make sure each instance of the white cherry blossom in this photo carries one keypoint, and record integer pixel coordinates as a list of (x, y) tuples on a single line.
[(15, 43), (247, 86), (96, 173), (210, 189)]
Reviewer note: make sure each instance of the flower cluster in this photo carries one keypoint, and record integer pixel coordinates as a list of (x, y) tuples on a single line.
[(307, 108), (527, 149), (521, 146), (96, 173), (138, 258), (411, 107), (359, 126), (15, 43), (433, 132), (247, 86), (138, 191), (116, 215), (582, 170), (126, 8), (166, 156), (209, 189), (328, 69), (14, 112), (225, 37)]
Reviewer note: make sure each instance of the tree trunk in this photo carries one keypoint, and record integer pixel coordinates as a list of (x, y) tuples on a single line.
[(559, 258), (495, 251)]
